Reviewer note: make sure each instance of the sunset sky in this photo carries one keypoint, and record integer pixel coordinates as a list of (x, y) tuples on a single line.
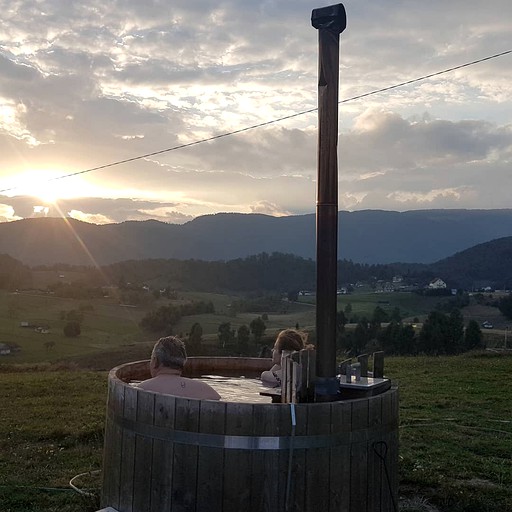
[(86, 84)]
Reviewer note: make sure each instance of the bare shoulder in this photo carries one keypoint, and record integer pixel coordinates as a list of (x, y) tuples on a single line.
[(205, 391), (147, 384)]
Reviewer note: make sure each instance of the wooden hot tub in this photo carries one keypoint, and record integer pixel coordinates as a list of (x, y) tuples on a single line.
[(165, 453)]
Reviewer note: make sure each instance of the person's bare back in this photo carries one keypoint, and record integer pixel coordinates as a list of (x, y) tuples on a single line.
[(174, 384)]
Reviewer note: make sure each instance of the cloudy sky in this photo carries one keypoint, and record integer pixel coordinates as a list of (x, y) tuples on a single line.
[(86, 84)]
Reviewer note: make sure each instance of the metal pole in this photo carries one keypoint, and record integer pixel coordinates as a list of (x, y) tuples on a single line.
[(330, 22)]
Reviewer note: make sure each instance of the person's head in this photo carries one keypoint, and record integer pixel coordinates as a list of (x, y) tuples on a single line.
[(168, 352), (289, 339)]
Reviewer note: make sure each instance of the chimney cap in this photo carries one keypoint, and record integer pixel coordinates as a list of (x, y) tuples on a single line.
[(332, 17)]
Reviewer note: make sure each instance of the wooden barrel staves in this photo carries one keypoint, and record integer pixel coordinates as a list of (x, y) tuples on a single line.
[(165, 453)]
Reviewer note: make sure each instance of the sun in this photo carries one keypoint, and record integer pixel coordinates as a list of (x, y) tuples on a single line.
[(48, 186)]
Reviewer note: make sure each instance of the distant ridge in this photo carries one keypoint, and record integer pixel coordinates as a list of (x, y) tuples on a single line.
[(368, 236)]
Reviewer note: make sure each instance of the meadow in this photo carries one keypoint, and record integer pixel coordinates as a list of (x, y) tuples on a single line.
[(364, 302), (107, 324)]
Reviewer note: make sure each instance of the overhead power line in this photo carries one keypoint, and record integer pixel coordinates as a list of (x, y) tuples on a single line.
[(425, 77), (273, 121)]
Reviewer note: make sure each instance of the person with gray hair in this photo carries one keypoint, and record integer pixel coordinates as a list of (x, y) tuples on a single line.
[(166, 366)]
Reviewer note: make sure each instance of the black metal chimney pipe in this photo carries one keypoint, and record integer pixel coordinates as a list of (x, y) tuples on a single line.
[(330, 22)]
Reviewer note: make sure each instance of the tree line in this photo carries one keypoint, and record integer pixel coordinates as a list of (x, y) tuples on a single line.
[(13, 274), (275, 272), (440, 334), (163, 319)]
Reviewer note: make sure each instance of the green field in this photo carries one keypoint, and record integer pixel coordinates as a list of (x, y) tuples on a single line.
[(108, 324), (455, 434), (363, 303)]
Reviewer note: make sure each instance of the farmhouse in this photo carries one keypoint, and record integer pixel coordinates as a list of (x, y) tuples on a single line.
[(383, 287), (437, 284), (5, 349)]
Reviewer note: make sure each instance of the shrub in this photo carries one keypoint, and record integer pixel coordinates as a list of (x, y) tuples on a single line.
[(72, 329)]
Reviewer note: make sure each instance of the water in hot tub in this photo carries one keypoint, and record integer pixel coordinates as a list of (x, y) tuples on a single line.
[(240, 389)]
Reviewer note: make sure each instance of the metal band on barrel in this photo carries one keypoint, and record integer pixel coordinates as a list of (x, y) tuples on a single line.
[(231, 442)]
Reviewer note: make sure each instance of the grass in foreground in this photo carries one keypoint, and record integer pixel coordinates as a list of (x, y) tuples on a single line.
[(455, 436), (456, 430), (51, 429)]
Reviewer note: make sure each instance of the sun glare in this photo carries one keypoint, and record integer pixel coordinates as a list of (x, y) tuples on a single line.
[(44, 185)]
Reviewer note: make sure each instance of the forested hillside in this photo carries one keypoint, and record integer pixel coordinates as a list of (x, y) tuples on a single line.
[(276, 272), (489, 263)]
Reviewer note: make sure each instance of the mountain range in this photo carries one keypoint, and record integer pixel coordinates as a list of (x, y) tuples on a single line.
[(368, 236)]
